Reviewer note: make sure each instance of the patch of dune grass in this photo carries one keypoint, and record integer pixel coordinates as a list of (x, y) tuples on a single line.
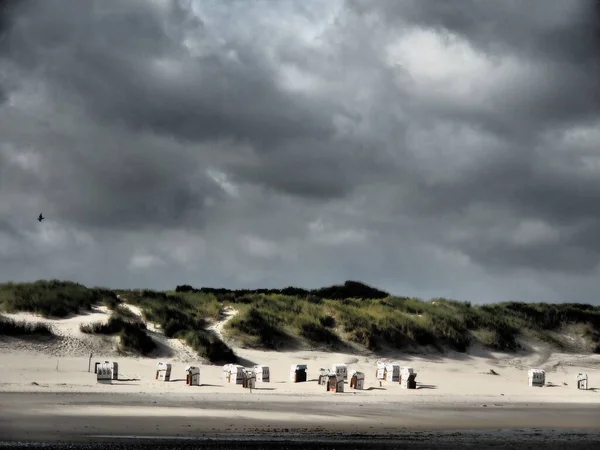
[(209, 346), (52, 298), (274, 321), (110, 301), (125, 313), (314, 330), (257, 327), (184, 315), (132, 333), (359, 326), (134, 339), (443, 323), (10, 327), (114, 325)]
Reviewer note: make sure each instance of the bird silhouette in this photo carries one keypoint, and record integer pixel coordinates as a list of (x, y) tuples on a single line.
[(40, 218)]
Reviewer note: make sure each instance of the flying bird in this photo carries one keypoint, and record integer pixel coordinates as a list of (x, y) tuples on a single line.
[(40, 218)]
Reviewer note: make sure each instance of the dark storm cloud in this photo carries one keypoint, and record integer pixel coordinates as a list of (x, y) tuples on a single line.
[(560, 30), (105, 179), (561, 36), (246, 144), (129, 64), (533, 175)]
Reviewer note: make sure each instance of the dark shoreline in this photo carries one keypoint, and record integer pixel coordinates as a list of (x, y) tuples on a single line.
[(503, 439), (48, 421)]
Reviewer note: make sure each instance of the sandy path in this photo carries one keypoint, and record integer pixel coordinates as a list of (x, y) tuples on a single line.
[(228, 313)]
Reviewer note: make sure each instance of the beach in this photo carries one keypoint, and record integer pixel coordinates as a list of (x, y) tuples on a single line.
[(236, 421), (49, 393)]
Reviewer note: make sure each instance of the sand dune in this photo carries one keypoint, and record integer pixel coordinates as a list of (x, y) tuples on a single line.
[(452, 387), (228, 314), (71, 342), (32, 366)]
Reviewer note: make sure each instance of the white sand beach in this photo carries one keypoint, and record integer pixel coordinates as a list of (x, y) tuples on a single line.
[(53, 379)]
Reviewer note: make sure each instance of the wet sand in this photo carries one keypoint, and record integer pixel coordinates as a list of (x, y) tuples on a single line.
[(440, 441), (98, 417)]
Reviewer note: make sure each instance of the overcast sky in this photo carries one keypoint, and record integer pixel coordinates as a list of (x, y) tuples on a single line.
[(426, 147)]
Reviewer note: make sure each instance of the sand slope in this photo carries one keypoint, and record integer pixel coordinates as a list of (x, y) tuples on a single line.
[(71, 341)]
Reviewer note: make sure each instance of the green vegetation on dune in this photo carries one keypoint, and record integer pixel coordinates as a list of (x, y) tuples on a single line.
[(135, 340), (209, 346), (275, 321), (327, 317), (10, 327), (53, 298), (184, 315), (258, 328), (131, 331), (270, 318)]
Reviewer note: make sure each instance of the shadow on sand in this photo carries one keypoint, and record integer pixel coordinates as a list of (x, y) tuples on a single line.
[(437, 354), (426, 386), (162, 350), (81, 312), (245, 362)]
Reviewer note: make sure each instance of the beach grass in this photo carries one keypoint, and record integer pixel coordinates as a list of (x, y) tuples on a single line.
[(10, 327), (326, 317)]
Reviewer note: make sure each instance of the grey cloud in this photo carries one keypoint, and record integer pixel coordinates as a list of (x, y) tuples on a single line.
[(117, 182), (558, 30), (313, 168), (504, 256), (560, 39), (113, 62), (242, 145), (525, 178), (230, 91)]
